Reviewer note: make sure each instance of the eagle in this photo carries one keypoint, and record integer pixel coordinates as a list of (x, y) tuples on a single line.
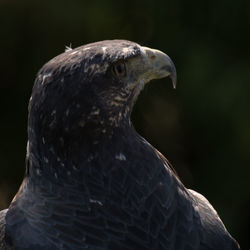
[(91, 181)]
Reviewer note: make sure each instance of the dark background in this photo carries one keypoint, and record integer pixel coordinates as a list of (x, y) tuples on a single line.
[(203, 127)]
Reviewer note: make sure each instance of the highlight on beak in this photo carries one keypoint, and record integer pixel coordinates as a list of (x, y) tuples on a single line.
[(161, 65)]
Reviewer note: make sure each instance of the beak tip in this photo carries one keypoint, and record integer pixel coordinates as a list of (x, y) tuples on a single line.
[(173, 74), (174, 85), (174, 79)]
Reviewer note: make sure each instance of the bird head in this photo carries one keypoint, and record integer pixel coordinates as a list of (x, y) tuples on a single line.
[(91, 89)]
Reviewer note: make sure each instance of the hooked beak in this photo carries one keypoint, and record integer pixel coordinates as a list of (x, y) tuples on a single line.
[(160, 65)]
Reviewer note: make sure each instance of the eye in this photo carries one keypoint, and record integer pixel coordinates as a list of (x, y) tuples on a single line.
[(119, 69)]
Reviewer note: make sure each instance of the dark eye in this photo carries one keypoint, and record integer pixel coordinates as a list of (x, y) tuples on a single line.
[(119, 69)]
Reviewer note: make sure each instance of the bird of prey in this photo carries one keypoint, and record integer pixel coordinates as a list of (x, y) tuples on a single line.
[(92, 182)]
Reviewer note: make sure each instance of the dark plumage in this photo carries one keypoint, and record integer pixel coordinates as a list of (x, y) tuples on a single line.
[(91, 181)]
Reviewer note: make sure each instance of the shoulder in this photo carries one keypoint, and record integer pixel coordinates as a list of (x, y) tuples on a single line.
[(2, 228), (213, 230)]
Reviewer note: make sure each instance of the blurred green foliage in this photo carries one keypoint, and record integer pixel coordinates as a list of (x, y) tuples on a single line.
[(203, 127)]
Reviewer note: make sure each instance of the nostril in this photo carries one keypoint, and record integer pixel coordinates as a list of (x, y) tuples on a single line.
[(152, 57)]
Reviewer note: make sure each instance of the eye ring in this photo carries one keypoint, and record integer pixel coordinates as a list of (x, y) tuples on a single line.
[(119, 69)]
